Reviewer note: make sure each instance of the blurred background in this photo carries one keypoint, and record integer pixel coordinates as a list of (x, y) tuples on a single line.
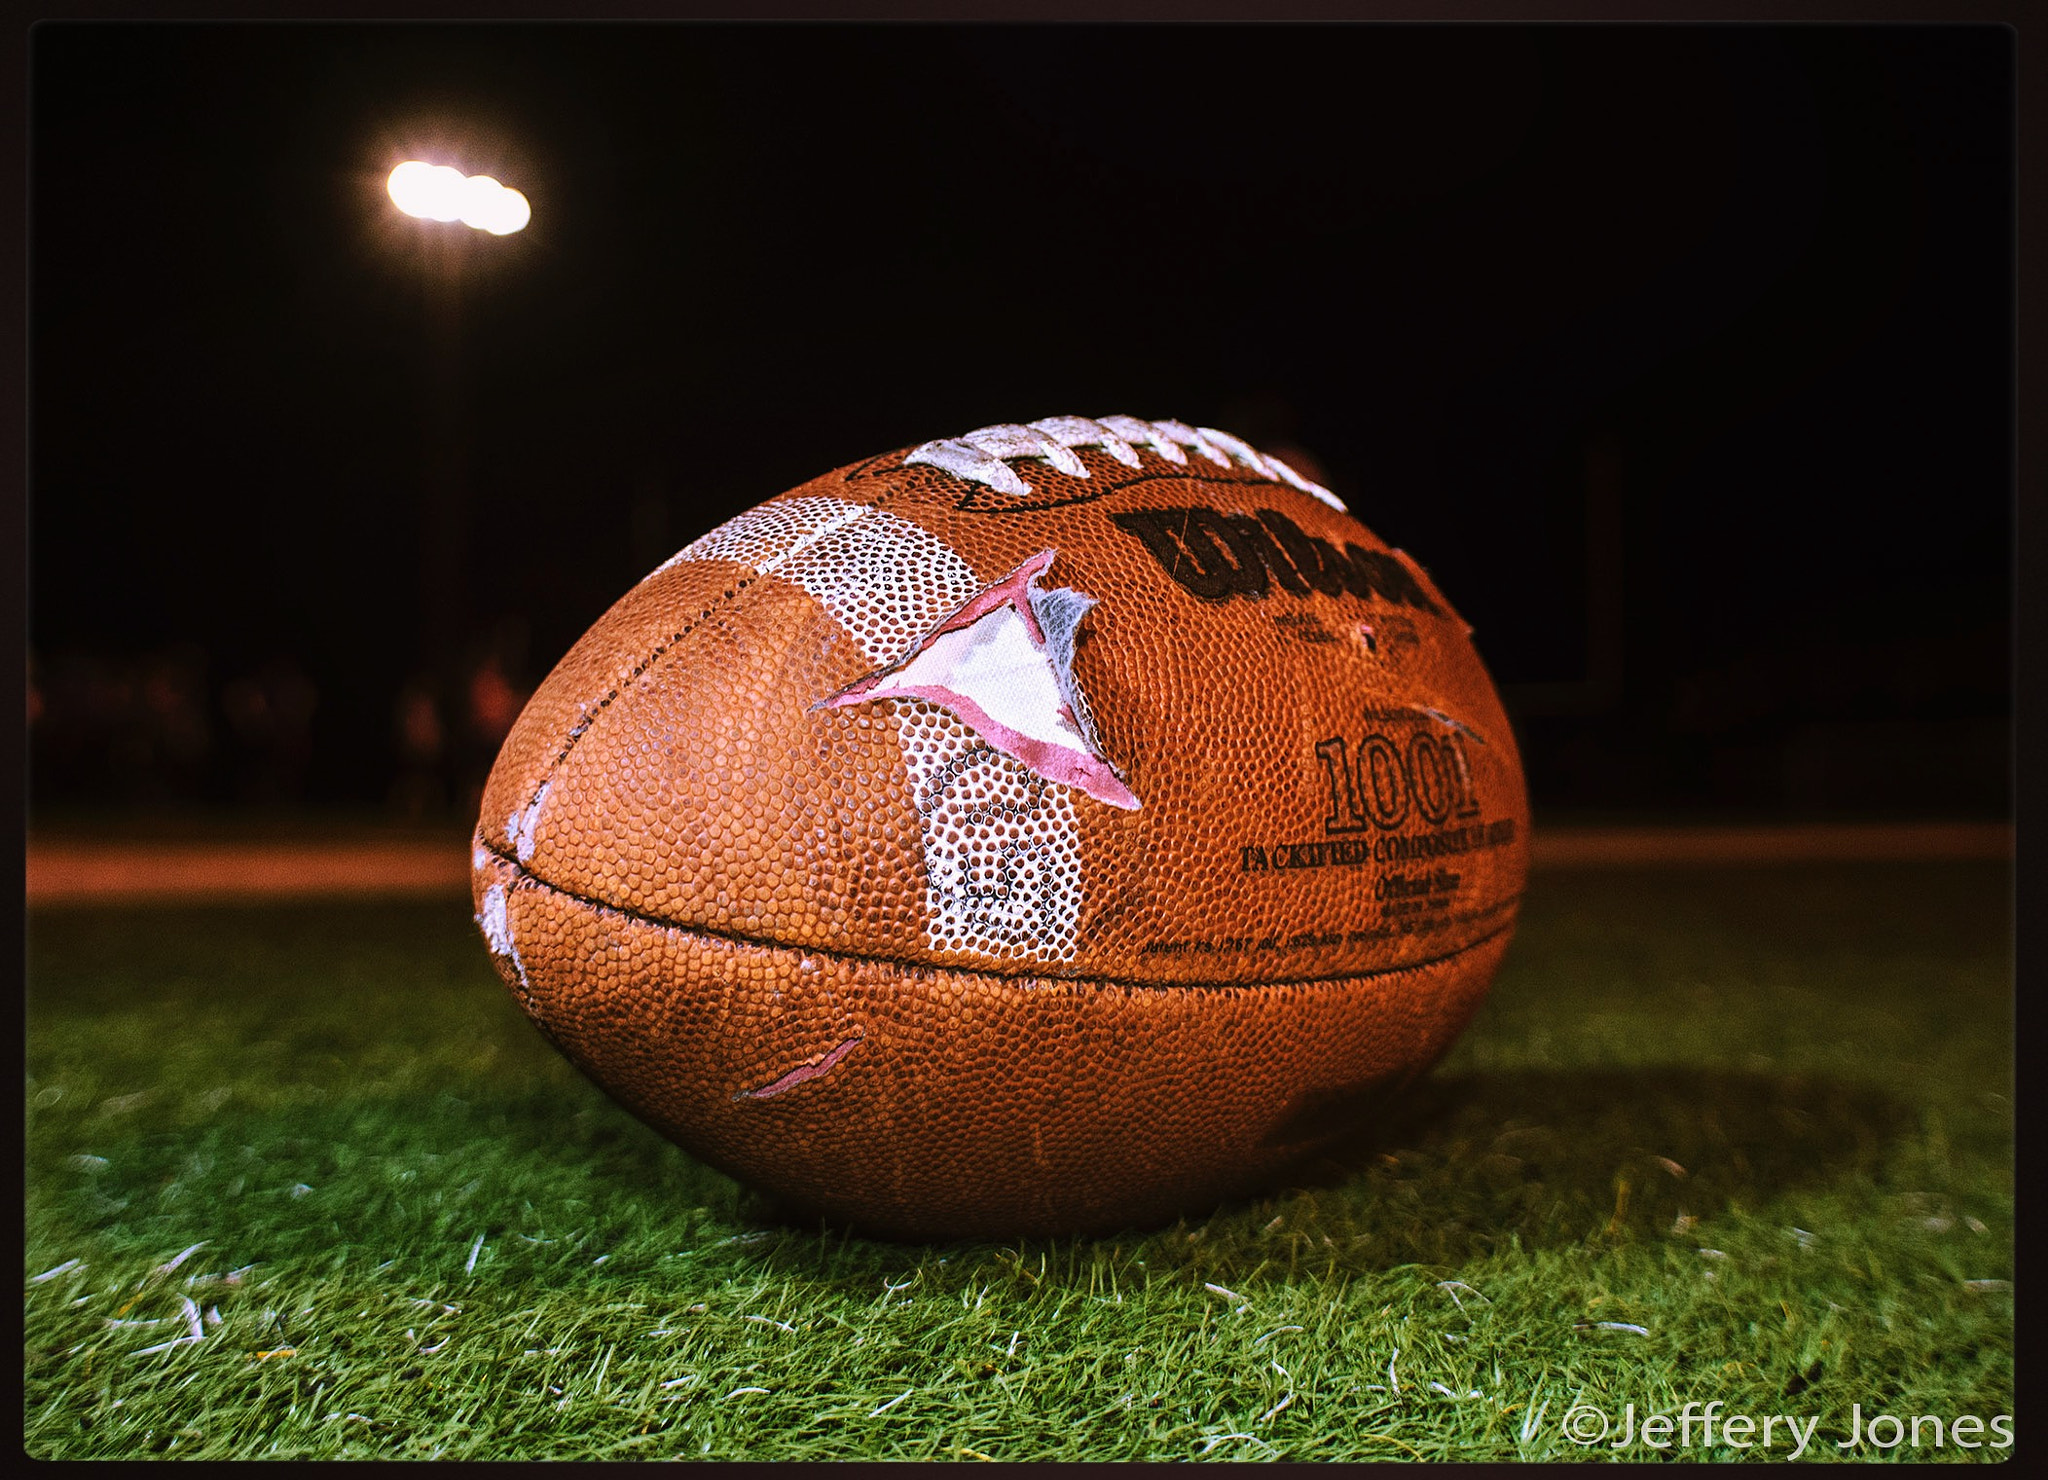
[(1681, 357)]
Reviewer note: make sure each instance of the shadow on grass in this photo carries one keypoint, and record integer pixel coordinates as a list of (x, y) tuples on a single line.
[(1458, 1169), (1460, 1166), (1463, 1164)]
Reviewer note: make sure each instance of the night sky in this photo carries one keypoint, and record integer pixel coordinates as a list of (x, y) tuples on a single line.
[(1681, 356)]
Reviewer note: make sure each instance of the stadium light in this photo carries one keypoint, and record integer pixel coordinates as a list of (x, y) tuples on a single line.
[(439, 192)]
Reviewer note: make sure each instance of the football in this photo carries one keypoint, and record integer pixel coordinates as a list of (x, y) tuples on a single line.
[(1056, 828)]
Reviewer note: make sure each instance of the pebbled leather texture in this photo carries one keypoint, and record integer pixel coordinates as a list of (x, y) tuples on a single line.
[(873, 956)]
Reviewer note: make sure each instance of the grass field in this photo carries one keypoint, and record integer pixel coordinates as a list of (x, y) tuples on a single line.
[(1738, 1135)]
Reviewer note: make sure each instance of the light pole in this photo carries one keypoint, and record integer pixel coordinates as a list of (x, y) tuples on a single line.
[(452, 209)]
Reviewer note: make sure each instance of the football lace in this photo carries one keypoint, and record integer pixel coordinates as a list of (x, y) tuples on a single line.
[(984, 455)]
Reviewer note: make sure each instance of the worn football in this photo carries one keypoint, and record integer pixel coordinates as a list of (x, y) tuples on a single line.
[(1053, 828)]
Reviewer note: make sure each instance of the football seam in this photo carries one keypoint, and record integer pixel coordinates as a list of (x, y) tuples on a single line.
[(526, 878), (591, 713), (972, 501)]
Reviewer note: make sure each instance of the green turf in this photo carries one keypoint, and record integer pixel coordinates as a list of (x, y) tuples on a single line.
[(1738, 1135)]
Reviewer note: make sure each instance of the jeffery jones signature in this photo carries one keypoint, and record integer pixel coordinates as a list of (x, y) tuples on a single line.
[(1707, 1426)]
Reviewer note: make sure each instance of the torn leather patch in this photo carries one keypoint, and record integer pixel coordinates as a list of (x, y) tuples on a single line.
[(1003, 664)]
